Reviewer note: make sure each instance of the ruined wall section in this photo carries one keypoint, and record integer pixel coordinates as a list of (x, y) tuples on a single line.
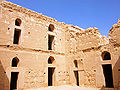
[(80, 40), (91, 38), (83, 46), (114, 34), (114, 49)]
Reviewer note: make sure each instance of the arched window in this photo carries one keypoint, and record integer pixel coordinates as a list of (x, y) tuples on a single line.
[(51, 27), (18, 22), (106, 55), (15, 62), (51, 60), (75, 63)]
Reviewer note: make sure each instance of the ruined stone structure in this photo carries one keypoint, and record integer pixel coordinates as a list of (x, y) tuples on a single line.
[(38, 51)]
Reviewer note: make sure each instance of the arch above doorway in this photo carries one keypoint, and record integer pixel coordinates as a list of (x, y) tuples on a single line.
[(106, 55), (15, 62), (51, 60)]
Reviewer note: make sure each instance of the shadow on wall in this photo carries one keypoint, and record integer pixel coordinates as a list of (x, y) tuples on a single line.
[(116, 71), (4, 81)]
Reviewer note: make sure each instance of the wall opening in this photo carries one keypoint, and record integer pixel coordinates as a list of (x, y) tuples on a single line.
[(17, 34), (15, 62), (106, 55), (14, 78), (18, 22), (51, 76), (50, 60), (50, 42), (118, 79), (76, 77), (75, 63), (107, 70), (51, 27)]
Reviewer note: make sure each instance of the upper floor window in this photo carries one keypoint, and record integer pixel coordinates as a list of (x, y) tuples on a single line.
[(17, 33), (51, 27), (50, 42), (106, 55), (18, 22)]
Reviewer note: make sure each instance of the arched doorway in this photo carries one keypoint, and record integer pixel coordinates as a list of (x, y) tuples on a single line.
[(51, 71), (107, 70), (14, 75)]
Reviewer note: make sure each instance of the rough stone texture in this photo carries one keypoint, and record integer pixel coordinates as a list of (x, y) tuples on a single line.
[(70, 43)]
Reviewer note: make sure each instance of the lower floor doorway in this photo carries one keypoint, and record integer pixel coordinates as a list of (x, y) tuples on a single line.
[(107, 70), (76, 77), (13, 82), (51, 78)]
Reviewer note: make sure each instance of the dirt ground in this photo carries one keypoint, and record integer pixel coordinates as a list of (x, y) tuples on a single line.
[(64, 87)]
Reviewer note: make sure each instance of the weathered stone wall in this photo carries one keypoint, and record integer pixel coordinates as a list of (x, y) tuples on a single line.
[(84, 46), (83, 40), (114, 33), (70, 44), (31, 28), (32, 68), (114, 47), (87, 46), (115, 62), (32, 50)]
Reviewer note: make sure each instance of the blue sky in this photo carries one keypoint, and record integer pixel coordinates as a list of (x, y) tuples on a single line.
[(83, 13)]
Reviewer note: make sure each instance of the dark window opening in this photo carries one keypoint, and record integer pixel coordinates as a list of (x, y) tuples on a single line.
[(50, 76), (107, 70), (15, 62), (17, 33), (17, 22), (106, 55), (14, 78), (50, 60), (76, 77), (75, 63), (51, 27), (50, 42)]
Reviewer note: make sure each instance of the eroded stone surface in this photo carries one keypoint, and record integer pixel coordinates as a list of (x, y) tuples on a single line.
[(74, 50)]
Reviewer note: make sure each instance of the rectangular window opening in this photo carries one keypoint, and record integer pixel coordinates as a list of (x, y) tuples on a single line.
[(50, 42), (17, 34)]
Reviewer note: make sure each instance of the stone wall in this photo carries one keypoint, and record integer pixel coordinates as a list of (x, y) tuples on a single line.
[(32, 49), (84, 46), (73, 50), (87, 46)]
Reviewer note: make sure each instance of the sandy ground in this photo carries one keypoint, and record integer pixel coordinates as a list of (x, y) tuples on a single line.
[(64, 87)]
